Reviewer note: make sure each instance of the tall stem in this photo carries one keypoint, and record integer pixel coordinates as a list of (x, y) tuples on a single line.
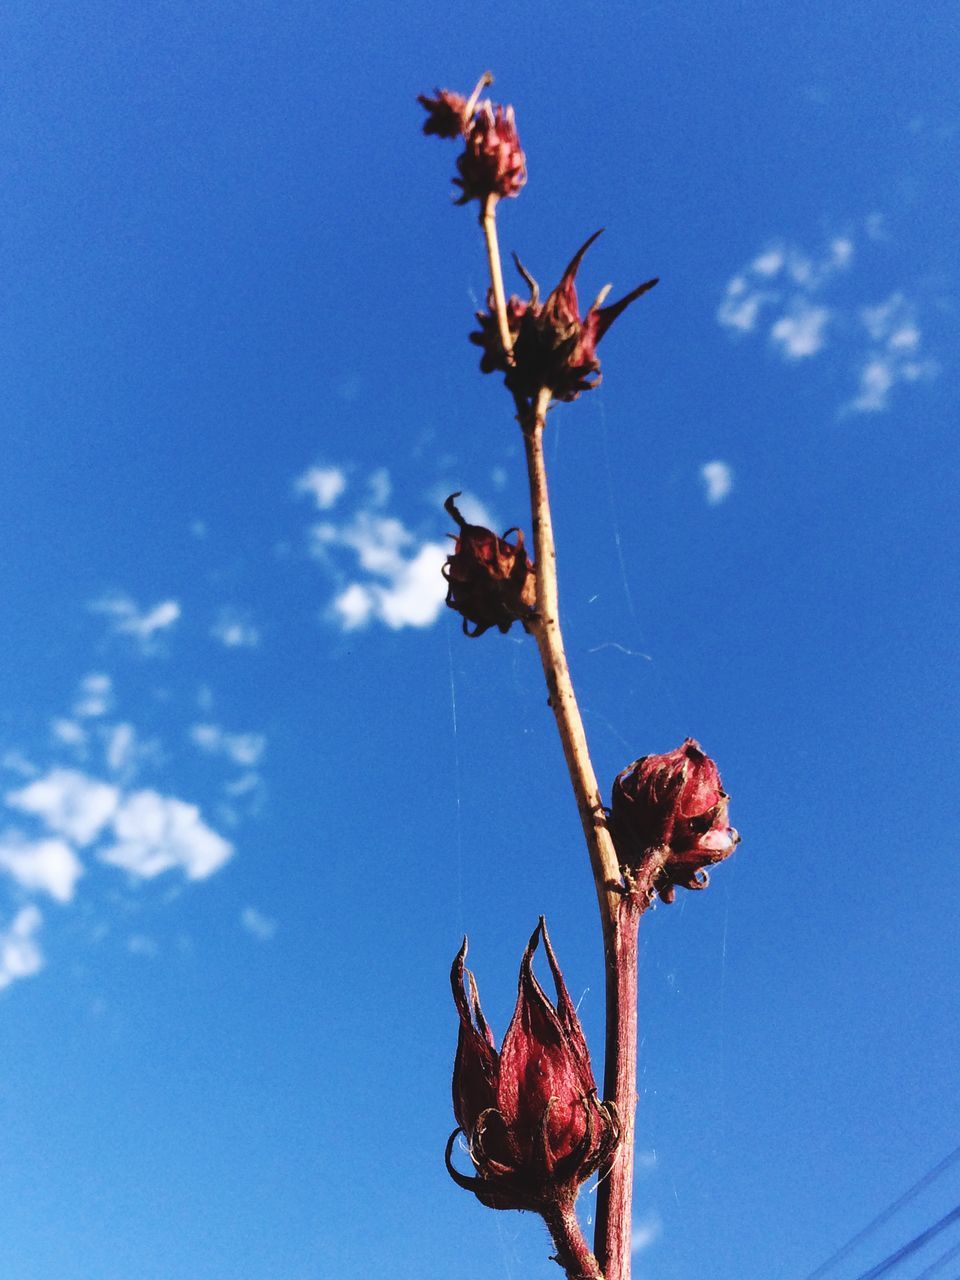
[(573, 1252), (620, 910), (488, 221)]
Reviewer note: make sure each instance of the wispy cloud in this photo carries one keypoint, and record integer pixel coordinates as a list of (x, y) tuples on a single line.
[(894, 354), (258, 925), (94, 697), (717, 479), (69, 803), (244, 749), (780, 294), (156, 833), (41, 866), (142, 625), (235, 631), (777, 287), (385, 572), (646, 1231), (20, 956), (64, 822), (324, 485), (801, 332)]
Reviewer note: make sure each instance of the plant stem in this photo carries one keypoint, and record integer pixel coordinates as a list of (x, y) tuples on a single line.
[(619, 913), (573, 1252), (488, 221), (620, 909)]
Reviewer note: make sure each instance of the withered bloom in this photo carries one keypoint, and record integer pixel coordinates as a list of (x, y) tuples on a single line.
[(671, 810), (492, 163), (552, 345), (490, 581), (446, 113), (533, 1124)]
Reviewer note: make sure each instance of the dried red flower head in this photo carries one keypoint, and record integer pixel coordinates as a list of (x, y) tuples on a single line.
[(552, 345), (534, 1126), (489, 581), (446, 113), (669, 817), (492, 163)]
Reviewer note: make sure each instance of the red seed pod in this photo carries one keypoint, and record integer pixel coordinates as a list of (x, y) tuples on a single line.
[(552, 345), (492, 162), (530, 1115), (670, 811), (490, 581)]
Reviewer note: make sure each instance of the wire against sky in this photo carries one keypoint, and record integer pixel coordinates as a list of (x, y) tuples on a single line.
[(886, 1214), (938, 1262), (911, 1246)]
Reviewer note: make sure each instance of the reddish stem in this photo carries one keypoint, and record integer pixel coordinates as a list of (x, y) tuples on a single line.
[(573, 1252), (614, 1228)]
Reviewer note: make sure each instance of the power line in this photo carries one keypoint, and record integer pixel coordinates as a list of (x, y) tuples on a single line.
[(911, 1247), (937, 1263), (885, 1215)]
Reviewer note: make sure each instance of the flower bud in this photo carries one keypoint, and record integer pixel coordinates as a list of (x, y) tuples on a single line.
[(489, 581), (492, 163), (669, 819), (552, 346), (530, 1115)]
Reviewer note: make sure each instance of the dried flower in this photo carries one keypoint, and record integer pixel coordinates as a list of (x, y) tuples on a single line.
[(669, 816), (446, 113), (489, 581), (492, 163), (552, 345), (534, 1126)]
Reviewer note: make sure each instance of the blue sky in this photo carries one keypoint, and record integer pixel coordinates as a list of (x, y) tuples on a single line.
[(255, 783)]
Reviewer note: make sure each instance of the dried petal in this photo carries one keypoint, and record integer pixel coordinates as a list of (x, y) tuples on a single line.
[(446, 113)]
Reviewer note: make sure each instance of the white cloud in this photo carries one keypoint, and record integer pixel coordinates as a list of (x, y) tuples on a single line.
[(158, 833), (413, 596), (769, 263), (121, 746), (717, 478), (17, 762), (741, 307), (95, 696), (45, 866), (324, 484), (379, 487), (138, 944), (895, 356), (69, 802), (405, 587), (243, 785), (243, 749), (69, 732), (354, 606), (141, 624), (20, 957), (784, 279), (258, 925), (783, 286), (235, 631), (800, 333), (645, 1232)]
